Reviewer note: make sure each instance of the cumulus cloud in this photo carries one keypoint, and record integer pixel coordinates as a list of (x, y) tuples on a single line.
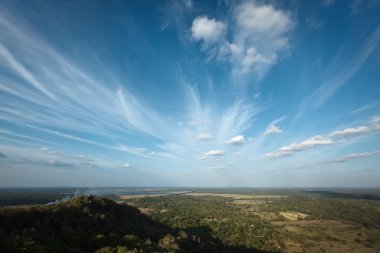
[(212, 154), (126, 165), (204, 136), (317, 140), (259, 34), (372, 126), (237, 140), (207, 30), (216, 152), (272, 129)]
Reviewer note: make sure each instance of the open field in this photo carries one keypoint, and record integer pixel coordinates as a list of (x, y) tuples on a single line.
[(293, 215), (234, 196), (163, 193)]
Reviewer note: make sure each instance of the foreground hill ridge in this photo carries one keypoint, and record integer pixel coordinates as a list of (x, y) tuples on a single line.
[(94, 224)]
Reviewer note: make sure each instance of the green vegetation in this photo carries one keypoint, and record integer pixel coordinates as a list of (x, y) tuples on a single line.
[(213, 218), (83, 224), (197, 221), (92, 224), (289, 221)]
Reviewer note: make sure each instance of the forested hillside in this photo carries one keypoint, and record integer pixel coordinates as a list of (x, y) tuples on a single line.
[(93, 224)]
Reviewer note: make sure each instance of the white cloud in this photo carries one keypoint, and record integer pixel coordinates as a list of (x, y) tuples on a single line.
[(216, 152), (255, 19), (237, 118), (237, 140), (342, 159), (259, 35), (372, 126), (272, 129), (126, 165), (357, 155), (207, 30), (317, 140), (19, 68), (204, 136)]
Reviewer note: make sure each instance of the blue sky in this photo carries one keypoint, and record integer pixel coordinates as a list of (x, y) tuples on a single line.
[(188, 93)]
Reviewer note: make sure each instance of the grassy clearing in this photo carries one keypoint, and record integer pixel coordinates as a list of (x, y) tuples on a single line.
[(294, 215)]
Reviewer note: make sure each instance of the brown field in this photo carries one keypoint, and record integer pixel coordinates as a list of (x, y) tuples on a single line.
[(125, 197), (235, 196), (138, 196), (145, 210), (293, 215), (254, 202), (327, 236)]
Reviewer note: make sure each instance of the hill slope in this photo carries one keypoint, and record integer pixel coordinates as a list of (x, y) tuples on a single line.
[(93, 224), (83, 224)]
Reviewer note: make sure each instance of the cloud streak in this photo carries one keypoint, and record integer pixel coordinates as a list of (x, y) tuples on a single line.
[(342, 159), (295, 147), (371, 127), (341, 70)]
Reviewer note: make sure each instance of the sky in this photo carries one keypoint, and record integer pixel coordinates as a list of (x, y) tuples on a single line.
[(190, 93)]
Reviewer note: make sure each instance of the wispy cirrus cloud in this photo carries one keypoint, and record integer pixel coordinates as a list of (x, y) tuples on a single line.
[(365, 107), (342, 69), (342, 159)]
